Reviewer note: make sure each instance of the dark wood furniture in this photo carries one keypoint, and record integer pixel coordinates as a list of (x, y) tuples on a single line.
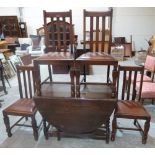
[(128, 107), (97, 30), (120, 41), (23, 29), (26, 59), (58, 31), (9, 26), (25, 106), (74, 109), (98, 58), (59, 35)]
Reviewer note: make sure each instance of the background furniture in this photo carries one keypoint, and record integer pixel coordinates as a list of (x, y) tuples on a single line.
[(127, 106), (9, 26), (26, 47), (5, 71), (23, 29), (25, 106), (149, 66), (120, 41), (2, 76), (24, 43)]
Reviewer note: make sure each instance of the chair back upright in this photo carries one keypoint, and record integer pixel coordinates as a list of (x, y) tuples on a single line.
[(26, 81), (127, 88), (59, 33), (150, 65), (97, 30)]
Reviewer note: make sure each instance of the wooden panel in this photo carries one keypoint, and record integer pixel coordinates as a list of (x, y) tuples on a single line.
[(9, 26)]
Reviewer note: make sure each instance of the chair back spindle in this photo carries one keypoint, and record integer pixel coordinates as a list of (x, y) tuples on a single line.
[(127, 90), (97, 30), (26, 81)]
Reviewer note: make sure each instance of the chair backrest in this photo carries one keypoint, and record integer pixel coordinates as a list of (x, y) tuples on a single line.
[(126, 89), (59, 33), (26, 82), (150, 64), (97, 30)]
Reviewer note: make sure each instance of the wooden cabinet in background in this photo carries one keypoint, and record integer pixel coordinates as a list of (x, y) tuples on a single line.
[(127, 49), (9, 26)]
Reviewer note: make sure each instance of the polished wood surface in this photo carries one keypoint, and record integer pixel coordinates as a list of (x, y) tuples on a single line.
[(97, 58), (78, 116), (73, 108), (127, 106), (54, 58)]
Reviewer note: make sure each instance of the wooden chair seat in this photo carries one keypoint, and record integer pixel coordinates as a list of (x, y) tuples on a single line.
[(131, 109), (22, 107)]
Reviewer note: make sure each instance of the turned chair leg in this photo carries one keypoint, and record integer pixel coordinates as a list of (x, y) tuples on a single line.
[(107, 130), (7, 123), (45, 129), (135, 122), (114, 128), (146, 129), (35, 128), (3, 83)]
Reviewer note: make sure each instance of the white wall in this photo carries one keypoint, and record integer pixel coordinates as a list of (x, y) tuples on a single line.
[(6, 11), (138, 22)]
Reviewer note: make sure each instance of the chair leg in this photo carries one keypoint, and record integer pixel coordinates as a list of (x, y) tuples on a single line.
[(135, 121), (107, 130), (45, 129), (114, 128), (50, 73), (35, 128), (146, 129), (84, 73), (26, 118), (152, 101), (7, 80), (3, 82), (142, 101), (7, 123), (58, 134)]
